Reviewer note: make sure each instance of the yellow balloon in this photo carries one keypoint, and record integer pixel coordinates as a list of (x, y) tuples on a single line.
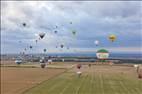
[(112, 38)]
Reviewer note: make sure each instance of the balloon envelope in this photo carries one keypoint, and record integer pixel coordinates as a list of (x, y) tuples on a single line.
[(31, 47), (18, 61), (102, 54), (62, 45), (112, 38), (55, 31), (36, 41), (41, 35), (74, 32), (96, 42), (24, 24), (44, 50)]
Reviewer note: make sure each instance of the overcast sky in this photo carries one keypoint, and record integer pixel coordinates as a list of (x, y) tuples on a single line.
[(92, 20)]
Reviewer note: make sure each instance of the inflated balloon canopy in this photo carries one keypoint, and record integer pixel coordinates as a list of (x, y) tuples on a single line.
[(31, 47), (42, 35), (96, 42), (36, 41), (24, 24), (44, 50), (62, 45), (55, 31), (74, 32), (112, 37)]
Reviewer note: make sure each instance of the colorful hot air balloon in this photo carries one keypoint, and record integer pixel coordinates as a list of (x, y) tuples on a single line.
[(102, 54), (96, 42), (78, 66), (112, 38), (41, 35)]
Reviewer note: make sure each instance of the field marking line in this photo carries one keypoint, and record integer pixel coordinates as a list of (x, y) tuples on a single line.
[(80, 85), (57, 85), (57, 75), (61, 81), (66, 86), (50, 89), (112, 88), (101, 82), (123, 85), (91, 80)]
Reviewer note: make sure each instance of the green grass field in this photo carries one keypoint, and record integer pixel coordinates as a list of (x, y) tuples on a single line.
[(92, 81)]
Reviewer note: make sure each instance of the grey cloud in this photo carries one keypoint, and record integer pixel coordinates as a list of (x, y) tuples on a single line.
[(91, 19)]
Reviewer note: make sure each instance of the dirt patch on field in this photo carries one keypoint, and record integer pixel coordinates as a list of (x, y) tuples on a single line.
[(17, 80), (6, 62)]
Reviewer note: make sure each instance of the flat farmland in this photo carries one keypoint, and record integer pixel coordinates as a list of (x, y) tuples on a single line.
[(102, 79), (15, 80)]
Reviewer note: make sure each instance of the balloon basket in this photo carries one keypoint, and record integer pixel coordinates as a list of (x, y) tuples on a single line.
[(140, 76), (42, 65)]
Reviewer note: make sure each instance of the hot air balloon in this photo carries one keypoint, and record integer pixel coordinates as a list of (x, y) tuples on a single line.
[(41, 35), (49, 60), (102, 54), (112, 38), (55, 31), (42, 63), (74, 32), (25, 49), (44, 50), (79, 66), (61, 45), (24, 24), (18, 61), (31, 47), (36, 40), (96, 42)]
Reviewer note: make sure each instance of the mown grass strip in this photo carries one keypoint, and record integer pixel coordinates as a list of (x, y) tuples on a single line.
[(89, 83)]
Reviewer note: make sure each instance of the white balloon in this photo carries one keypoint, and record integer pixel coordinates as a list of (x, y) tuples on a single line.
[(97, 42)]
